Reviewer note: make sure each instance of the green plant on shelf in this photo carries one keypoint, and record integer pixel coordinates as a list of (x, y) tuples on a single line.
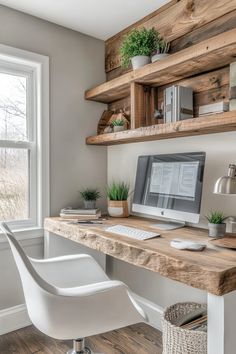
[(161, 46), (216, 217), (118, 122), (90, 194), (118, 191), (138, 42)]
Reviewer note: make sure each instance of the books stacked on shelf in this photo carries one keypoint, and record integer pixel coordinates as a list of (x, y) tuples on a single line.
[(80, 214), (213, 108)]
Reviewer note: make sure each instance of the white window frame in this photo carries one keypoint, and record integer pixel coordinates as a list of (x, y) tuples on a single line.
[(37, 68)]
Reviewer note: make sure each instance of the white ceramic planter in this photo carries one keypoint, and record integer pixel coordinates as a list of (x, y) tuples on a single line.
[(89, 204), (157, 57), (216, 230), (139, 61), (118, 208), (118, 128)]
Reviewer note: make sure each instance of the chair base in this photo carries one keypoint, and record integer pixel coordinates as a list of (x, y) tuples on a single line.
[(85, 351), (79, 347)]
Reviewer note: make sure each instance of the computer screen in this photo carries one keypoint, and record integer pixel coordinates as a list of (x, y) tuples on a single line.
[(170, 186)]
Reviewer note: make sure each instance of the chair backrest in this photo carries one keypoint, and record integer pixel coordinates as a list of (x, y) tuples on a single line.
[(34, 286)]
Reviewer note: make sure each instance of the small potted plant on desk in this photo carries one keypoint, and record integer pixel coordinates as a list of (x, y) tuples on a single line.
[(137, 47), (216, 225), (117, 194), (90, 196)]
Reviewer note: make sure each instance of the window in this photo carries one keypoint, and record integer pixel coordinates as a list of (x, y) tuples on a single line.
[(23, 138)]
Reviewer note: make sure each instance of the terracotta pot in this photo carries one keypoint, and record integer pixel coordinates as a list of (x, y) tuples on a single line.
[(140, 60), (118, 208), (216, 230)]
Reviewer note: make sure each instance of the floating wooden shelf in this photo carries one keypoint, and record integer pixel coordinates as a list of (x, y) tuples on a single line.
[(210, 54), (216, 123)]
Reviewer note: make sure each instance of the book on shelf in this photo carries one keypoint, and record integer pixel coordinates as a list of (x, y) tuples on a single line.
[(213, 108), (80, 214)]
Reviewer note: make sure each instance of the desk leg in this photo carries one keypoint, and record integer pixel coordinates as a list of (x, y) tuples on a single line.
[(221, 324)]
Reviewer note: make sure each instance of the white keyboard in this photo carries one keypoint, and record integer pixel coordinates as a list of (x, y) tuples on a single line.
[(131, 232)]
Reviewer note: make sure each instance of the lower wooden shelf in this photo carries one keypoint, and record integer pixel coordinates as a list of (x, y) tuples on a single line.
[(217, 123)]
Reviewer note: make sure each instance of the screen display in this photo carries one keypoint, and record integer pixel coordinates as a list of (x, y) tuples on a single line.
[(177, 179), (172, 182)]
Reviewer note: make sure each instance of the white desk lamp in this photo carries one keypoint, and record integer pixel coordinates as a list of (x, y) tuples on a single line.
[(227, 184)]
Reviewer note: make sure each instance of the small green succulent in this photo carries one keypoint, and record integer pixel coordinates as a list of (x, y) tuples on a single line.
[(90, 194), (216, 217)]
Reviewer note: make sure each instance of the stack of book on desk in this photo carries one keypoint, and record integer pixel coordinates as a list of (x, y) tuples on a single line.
[(80, 214)]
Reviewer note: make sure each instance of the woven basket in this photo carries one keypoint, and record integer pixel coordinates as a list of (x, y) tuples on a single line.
[(177, 340)]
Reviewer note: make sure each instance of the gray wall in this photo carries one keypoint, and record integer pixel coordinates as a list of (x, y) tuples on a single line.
[(76, 63), (122, 161)]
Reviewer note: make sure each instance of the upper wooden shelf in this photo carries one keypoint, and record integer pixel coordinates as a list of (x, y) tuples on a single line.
[(210, 54), (216, 123)]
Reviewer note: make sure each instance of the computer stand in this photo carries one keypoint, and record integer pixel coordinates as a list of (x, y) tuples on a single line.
[(171, 225)]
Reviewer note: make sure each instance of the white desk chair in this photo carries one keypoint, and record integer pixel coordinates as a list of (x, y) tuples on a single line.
[(71, 297)]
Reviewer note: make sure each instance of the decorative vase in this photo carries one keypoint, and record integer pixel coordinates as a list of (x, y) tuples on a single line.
[(140, 60), (118, 208), (118, 128), (159, 56), (89, 204), (217, 230)]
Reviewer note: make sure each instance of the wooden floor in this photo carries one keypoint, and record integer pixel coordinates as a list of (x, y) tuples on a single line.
[(137, 339)]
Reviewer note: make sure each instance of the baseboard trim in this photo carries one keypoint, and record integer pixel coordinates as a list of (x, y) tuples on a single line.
[(153, 311), (13, 318)]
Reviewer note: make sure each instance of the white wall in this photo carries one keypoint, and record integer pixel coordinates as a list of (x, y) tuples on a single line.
[(76, 63), (122, 161)]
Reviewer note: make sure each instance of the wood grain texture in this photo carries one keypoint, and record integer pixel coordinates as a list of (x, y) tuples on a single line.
[(210, 54), (213, 270), (139, 338), (173, 22), (220, 25), (137, 97), (216, 123)]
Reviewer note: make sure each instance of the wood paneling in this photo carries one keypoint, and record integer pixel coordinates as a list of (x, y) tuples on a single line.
[(207, 55), (212, 270), (112, 59), (175, 21), (217, 123), (139, 338)]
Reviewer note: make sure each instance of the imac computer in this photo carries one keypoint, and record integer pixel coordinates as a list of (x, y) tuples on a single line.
[(170, 187)]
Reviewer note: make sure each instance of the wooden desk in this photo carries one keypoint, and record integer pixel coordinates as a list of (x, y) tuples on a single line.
[(213, 270)]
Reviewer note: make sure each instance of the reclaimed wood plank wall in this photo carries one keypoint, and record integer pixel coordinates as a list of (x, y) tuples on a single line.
[(182, 23)]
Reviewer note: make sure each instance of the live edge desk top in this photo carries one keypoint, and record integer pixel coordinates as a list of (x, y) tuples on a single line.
[(213, 270)]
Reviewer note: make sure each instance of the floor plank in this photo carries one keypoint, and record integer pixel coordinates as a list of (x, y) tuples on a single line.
[(139, 338)]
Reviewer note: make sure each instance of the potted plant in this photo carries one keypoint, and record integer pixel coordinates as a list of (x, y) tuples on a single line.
[(117, 193), (118, 125), (161, 50), (90, 196), (137, 47), (216, 225)]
